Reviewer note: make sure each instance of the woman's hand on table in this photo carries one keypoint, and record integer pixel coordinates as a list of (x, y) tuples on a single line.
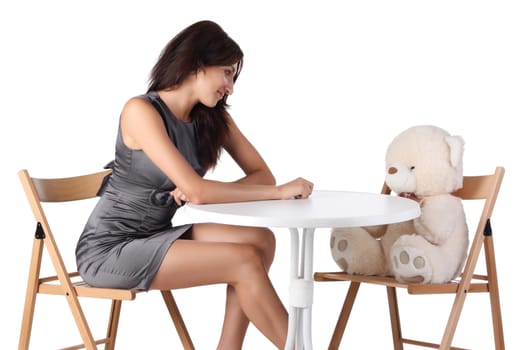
[(299, 188)]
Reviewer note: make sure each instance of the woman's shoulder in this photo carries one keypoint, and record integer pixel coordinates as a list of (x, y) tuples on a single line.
[(139, 103), (139, 108)]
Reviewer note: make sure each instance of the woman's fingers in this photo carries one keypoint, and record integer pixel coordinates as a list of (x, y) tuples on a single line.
[(178, 196), (307, 188), (298, 188)]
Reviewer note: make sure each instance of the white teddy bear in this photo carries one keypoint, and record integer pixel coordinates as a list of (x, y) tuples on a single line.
[(423, 163)]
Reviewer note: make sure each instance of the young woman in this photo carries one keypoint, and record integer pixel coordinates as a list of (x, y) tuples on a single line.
[(167, 140)]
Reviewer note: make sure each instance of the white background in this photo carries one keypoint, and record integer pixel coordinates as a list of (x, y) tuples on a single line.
[(325, 87)]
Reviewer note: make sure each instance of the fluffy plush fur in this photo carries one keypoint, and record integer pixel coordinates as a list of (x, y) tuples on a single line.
[(424, 163)]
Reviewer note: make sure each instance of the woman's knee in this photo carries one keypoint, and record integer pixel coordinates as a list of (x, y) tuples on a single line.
[(265, 241), (262, 239), (248, 260), (268, 240)]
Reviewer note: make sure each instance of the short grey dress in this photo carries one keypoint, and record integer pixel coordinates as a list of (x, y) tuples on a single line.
[(130, 230)]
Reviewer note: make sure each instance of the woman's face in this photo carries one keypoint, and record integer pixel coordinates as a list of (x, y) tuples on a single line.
[(214, 82)]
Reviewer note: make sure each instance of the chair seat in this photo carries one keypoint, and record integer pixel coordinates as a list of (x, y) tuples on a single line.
[(50, 285), (446, 288), (342, 276)]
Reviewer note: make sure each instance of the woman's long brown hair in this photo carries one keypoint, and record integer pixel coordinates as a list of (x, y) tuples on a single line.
[(200, 45)]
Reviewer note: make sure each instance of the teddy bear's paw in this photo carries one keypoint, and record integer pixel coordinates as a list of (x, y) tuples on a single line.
[(340, 254), (410, 265)]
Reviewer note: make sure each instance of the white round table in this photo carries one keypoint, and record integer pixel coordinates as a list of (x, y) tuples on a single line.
[(323, 209)]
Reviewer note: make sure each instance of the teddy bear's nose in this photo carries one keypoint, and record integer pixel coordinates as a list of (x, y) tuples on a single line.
[(392, 170)]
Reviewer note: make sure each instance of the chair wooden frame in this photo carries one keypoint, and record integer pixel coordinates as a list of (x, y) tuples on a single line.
[(474, 188), (69, 284)]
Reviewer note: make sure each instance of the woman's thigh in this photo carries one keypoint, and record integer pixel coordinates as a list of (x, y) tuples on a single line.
[(261, 238), (190, 263)]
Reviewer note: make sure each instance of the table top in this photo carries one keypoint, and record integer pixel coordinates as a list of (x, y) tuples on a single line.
[(321, 209)]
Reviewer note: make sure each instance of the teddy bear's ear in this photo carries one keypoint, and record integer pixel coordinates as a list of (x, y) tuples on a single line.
[(456, 144)]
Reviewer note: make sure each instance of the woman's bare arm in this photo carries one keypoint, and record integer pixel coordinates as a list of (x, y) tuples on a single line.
[(248, 158), (143, 129)]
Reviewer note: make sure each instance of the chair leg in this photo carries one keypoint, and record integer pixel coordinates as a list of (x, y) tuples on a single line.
[(344, 315), (177, 320), (497, 321), (452, 322), (30, 297), (113, 323), (395, 318), (79, 317)]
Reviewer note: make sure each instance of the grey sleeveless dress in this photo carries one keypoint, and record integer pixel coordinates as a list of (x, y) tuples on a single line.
[(129, 231)]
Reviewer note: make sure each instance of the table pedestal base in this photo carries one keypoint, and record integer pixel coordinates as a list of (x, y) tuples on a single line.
[(301, 291)]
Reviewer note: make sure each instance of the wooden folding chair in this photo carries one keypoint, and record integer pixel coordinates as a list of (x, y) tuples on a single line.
[(69, 284), (474, 188)]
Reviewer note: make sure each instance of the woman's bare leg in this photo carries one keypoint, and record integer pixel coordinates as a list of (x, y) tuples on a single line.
[(191, 263), (235, 321)]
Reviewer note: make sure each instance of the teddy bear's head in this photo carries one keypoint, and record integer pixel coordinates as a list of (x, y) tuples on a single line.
[(425, 160)]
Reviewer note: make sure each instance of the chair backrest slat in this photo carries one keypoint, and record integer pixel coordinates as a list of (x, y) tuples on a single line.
[(59, 190), (69, 189), (480, 187)]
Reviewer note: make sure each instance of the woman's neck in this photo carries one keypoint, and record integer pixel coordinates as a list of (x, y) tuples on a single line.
[(179, 101)]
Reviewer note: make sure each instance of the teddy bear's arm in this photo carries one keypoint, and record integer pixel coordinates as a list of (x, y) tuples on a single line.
[(439, 218)]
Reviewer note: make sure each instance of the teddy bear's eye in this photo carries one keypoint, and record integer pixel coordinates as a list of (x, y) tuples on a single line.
[(412, 168)]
